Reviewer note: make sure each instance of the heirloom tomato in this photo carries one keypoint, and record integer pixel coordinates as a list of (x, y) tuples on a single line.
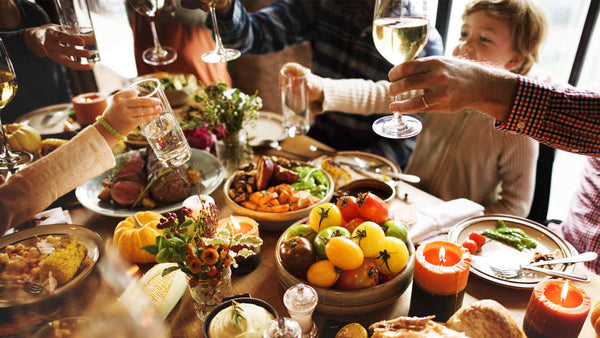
[(395, 229), (386, 278), (348, 207), (344, 253), (324, 236), (478, 238), (471, 245), (373, 208), (393, 256), (369, 237), (353, 223), (365, 276), (323, 216), (302, 230), (296, 254), (323, 274)]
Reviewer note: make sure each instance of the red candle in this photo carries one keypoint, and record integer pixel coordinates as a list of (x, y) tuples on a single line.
[(87, 106), (548, 315), (440, 278)]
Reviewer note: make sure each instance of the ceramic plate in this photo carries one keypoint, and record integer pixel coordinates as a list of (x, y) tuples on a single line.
[(91, 240), (49, 120), (212, 176), (499, 254), (268, 126)]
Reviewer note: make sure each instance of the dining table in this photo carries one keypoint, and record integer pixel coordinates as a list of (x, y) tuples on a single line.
[(263, 283)]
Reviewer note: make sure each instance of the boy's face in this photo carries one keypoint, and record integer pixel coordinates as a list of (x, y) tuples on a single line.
[(486, 39)]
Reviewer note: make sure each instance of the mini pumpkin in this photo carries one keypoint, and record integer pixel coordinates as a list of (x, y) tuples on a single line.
[(135, 232), (23, 137), (595, 318)]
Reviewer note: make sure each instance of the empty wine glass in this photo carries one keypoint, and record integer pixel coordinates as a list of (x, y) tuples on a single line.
[(399, 33), (220, 54), (11, 160), (157, 55)]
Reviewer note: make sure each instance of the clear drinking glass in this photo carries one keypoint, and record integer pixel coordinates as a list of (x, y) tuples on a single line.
[(74, 17), (10, 160), (157, 55), (220, 54), (293, 85), (400, 34), (164, 134)]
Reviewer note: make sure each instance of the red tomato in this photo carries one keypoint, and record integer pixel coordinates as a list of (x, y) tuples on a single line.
[(373, 208), (471, 245), (385, 278), (478, 238), (365, 276), (348, 206), (353, 223)]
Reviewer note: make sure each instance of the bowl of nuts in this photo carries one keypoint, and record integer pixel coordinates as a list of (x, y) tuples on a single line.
[(276, 189)]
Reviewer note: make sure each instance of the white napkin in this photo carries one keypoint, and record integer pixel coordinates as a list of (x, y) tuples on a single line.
[(435, 220), (51, 216)]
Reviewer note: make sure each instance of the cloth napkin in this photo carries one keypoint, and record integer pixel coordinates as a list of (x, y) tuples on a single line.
[(438, 219), (47, 217)]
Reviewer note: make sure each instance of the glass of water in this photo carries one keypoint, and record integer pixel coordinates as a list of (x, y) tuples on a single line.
[(293, 85), (163, 134), (75, 19)]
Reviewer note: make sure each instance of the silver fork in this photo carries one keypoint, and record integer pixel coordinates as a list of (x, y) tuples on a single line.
[(29, 287), (510, 273)]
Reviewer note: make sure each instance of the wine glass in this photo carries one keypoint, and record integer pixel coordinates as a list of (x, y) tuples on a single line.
[(11, 160), (399, 33), (157, 55), (220, 54)]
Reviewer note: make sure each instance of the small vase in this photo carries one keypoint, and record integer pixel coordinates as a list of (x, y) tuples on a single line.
[(233, 151), (210, 292)]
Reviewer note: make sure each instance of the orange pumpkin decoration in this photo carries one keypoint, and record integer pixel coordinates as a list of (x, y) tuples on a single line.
[(595, 318), (135, 232)]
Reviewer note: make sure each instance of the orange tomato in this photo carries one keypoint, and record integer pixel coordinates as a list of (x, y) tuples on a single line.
[(344, 253), (322, 274)]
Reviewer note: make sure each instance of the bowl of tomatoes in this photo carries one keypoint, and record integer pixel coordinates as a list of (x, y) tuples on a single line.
[(355, 256)]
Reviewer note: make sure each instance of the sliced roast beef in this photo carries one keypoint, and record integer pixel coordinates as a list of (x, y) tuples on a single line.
[(171, 187), (125, 193)]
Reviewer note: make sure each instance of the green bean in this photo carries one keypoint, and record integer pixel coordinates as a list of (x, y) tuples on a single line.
[(512, 236)]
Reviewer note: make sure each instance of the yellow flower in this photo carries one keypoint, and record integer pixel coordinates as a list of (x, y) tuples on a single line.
[(210, 256)]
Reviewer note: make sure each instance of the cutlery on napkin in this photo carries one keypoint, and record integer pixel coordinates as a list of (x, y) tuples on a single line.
[(47, 217)]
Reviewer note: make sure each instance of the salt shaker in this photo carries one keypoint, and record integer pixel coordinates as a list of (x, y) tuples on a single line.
[(283, 328), (300, 301)]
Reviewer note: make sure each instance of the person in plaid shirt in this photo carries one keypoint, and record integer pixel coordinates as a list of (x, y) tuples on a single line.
[(563, 118)]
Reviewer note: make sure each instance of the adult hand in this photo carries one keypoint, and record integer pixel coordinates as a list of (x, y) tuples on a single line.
[(451, 85), (314, 83), (127, 111), (222, 6), (49, 41)]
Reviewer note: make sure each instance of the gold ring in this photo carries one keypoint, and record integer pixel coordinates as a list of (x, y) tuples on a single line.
[(424, 101)]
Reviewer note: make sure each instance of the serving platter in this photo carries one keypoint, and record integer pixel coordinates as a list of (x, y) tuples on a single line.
[(209, 166), (496, 253), (49, 120), (268, 126)]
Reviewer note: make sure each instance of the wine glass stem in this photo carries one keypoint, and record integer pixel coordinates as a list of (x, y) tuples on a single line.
[(5, 154), (398, 120), (157, 47), (218, 41)]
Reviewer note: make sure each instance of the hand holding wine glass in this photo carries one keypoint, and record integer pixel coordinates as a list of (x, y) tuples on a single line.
[(157, 55), (220, 54), (400, 34)]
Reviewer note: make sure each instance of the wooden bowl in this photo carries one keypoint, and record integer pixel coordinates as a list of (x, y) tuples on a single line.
[(356, 301), (240, 299)]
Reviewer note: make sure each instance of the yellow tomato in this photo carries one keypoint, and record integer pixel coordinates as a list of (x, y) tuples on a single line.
[(369, 237), (393, 256), (325, 215), (322, 274), (344, 253)]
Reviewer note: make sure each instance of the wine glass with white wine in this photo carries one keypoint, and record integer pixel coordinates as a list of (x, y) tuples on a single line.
[(11, 160), (157, 55), (400, 34), (220, 54)]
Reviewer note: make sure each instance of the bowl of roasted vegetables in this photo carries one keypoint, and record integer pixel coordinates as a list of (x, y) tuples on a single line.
[(276, 189)]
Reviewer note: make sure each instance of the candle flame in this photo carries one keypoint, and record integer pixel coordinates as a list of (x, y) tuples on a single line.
[(565, 291), (132, 270), (234, 224), (442, 255)]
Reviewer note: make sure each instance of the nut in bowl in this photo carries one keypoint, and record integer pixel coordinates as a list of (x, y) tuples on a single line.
[(275, 189)]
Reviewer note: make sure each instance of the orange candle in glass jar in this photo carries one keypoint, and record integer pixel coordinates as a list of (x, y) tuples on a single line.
[(87, 106), (556, 309), (440, 278)]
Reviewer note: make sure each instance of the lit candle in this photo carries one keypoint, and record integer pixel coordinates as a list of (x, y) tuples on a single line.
[(556, 309), (87, 106), (440, 277)]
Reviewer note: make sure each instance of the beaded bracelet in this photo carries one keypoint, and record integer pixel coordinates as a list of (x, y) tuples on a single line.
[(110, 128)]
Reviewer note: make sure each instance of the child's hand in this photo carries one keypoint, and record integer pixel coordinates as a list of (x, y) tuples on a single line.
[(127, 111)]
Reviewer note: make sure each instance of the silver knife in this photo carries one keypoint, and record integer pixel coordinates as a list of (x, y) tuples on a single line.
[(403, 177)]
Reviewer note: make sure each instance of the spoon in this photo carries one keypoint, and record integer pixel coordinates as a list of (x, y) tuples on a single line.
[(273, 144)]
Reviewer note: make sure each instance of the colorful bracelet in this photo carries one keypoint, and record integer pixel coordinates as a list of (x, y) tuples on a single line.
[(110, 128)]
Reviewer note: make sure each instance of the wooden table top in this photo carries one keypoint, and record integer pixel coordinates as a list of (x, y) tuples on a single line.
[(262, 283)]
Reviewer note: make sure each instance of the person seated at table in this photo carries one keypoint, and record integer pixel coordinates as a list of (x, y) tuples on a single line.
[(340, 36), (463, 155), (86, 156), (37, 50)]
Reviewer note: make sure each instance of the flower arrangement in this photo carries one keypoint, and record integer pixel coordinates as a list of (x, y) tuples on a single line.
[(200, 249), (222, 112)]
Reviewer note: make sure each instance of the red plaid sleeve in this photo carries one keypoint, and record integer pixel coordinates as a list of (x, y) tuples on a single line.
[(563, 118)]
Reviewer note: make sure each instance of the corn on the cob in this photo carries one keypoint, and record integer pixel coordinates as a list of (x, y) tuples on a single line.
[(339, 175), (64, 262), (49, 144)]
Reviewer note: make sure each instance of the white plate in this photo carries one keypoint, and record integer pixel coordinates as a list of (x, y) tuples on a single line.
[(496, 253), (268, 126), (212, 176), (49, 120)]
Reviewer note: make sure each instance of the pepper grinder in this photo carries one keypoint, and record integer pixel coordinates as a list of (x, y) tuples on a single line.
[(300, 301), (283, 328)]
